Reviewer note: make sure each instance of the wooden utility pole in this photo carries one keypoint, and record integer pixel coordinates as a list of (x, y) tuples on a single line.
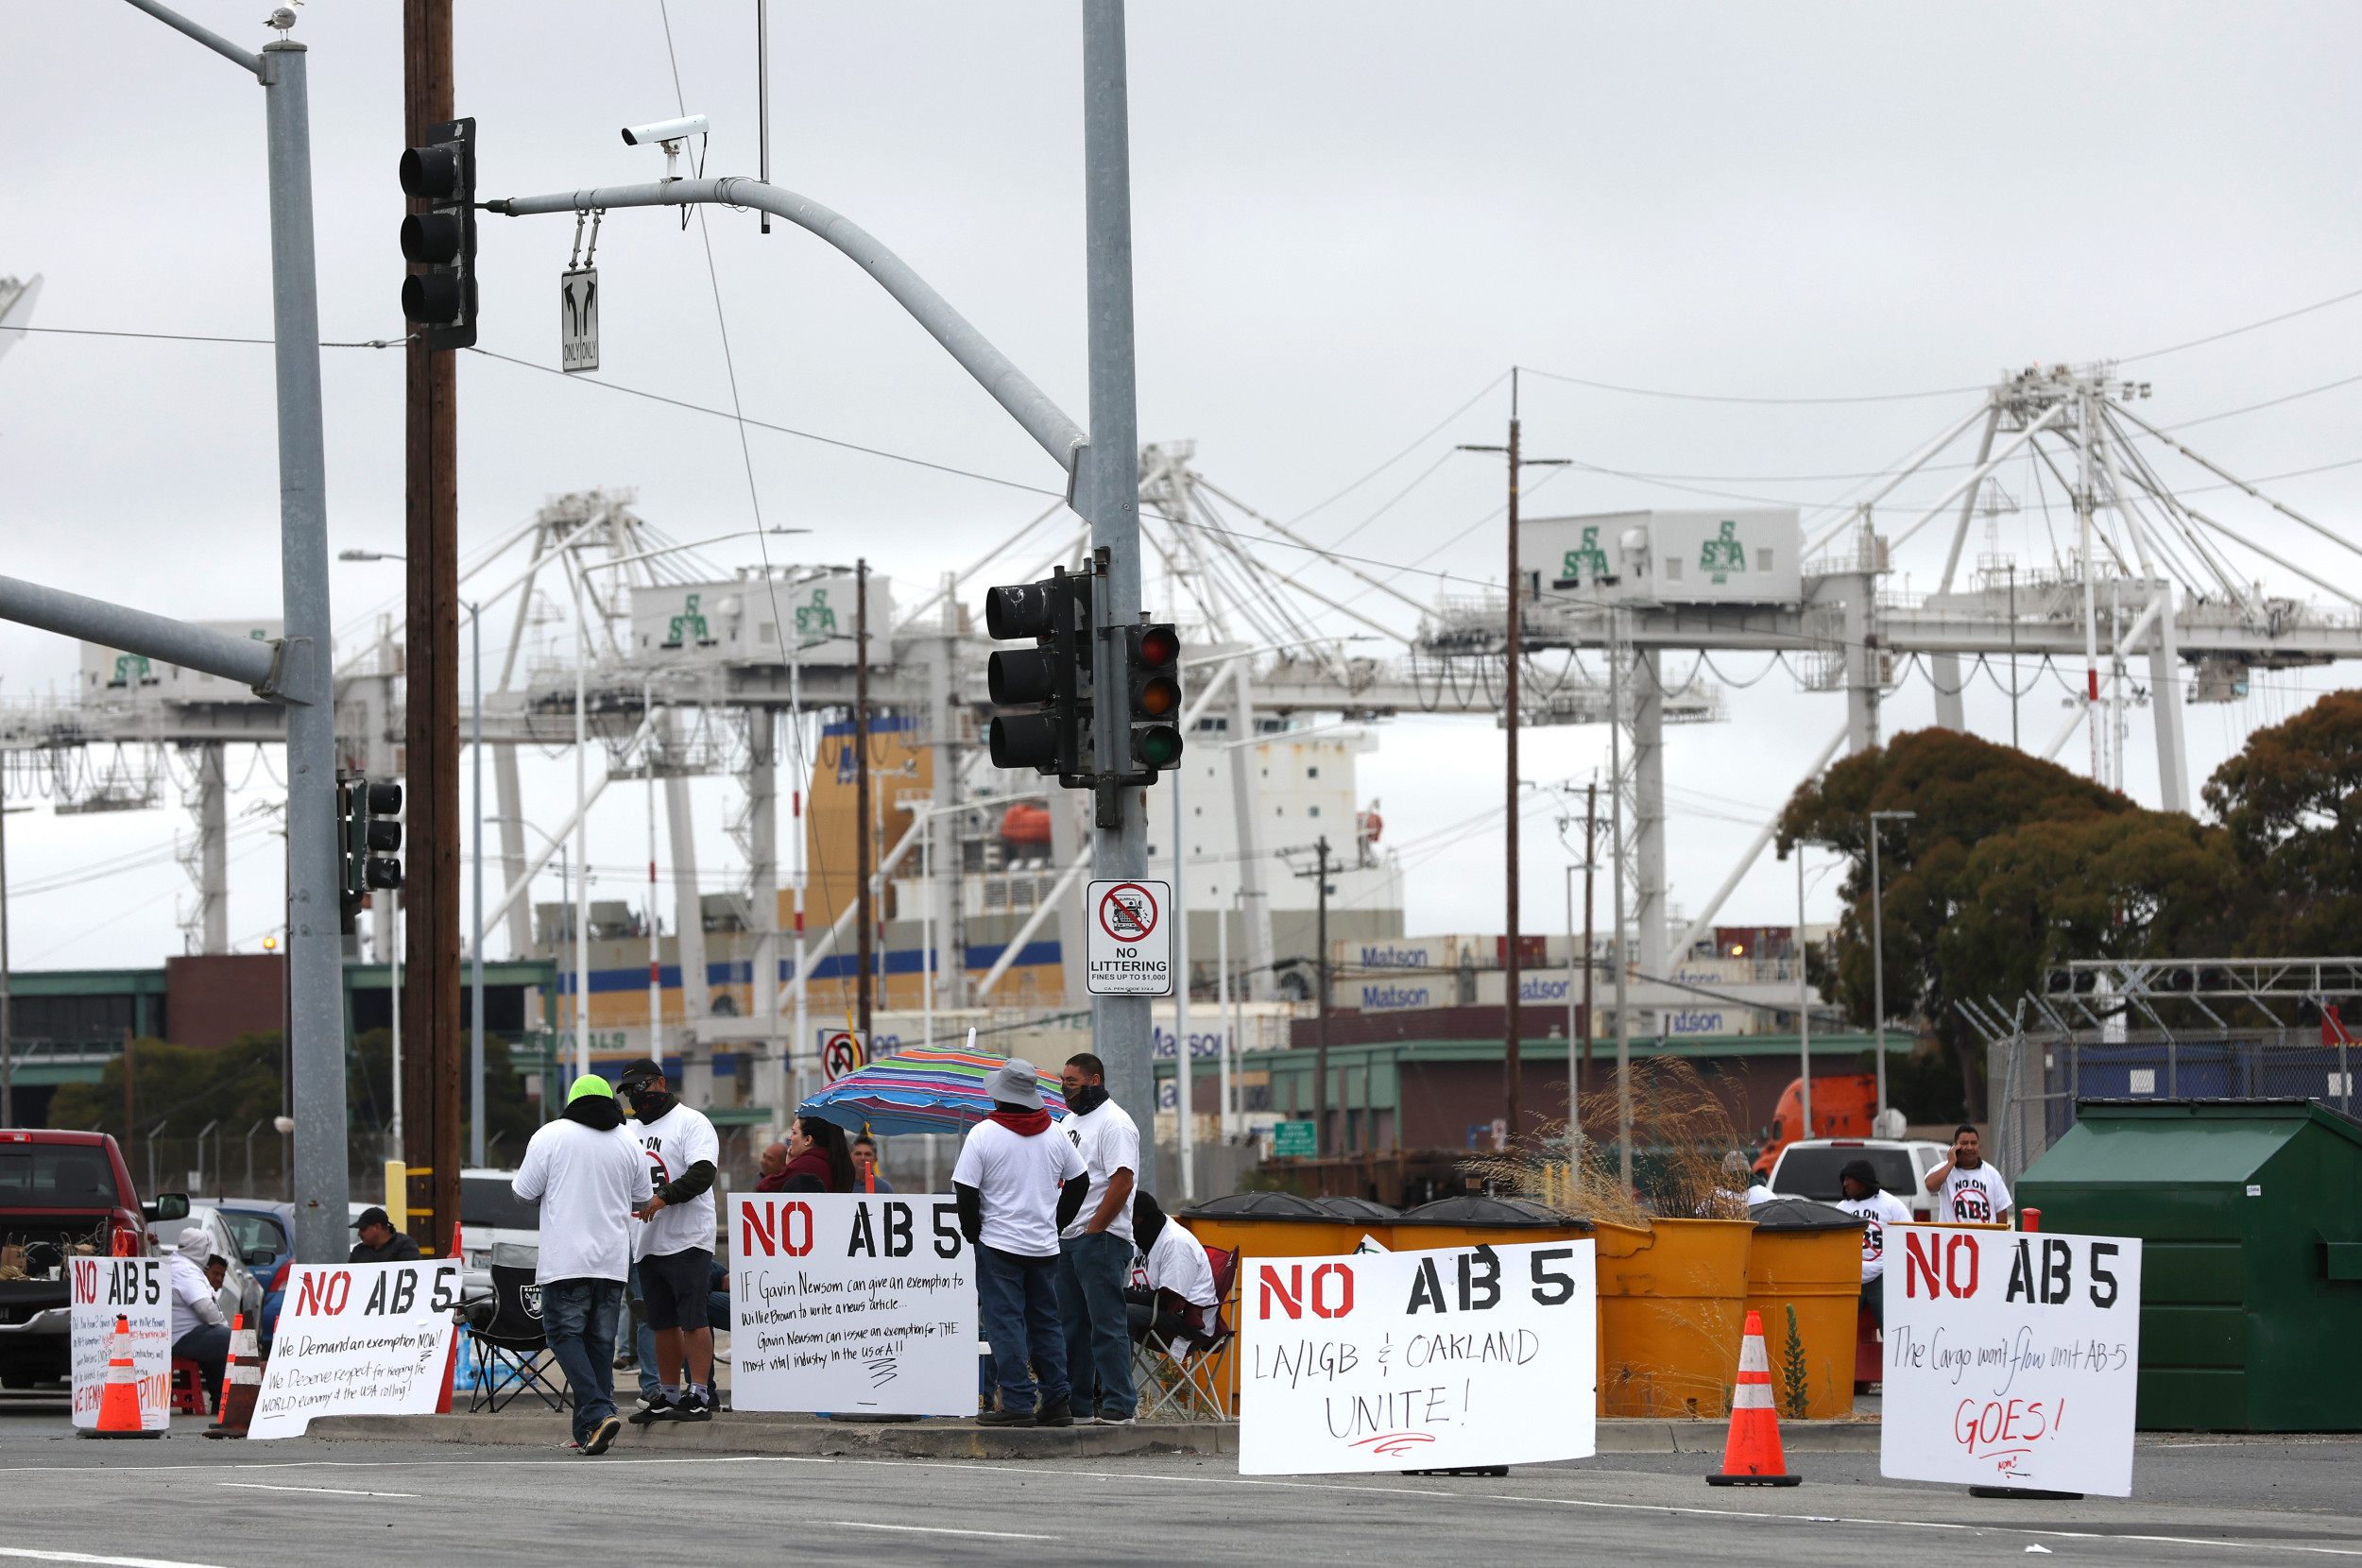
[(1320, 972), (1513, 1045), (1590, 863), (431, 1063), (861, 788)]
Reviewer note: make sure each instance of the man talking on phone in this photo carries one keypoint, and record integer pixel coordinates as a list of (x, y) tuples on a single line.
[(1967, 1188)]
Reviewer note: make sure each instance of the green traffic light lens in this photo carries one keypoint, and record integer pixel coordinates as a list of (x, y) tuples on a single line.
[(1158, 745)]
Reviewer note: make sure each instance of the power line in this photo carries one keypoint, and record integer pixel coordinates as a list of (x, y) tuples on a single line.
[(2253, 326), (1721, 398), (1406, 451)]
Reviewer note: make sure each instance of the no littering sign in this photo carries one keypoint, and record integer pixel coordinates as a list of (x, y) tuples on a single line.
[(1131, 940)]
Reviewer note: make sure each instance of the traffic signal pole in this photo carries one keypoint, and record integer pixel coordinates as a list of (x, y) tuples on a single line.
[(1106, 492), (432, 1065)]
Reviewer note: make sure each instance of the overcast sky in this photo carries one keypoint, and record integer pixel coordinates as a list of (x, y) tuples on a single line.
[(1349, 223)]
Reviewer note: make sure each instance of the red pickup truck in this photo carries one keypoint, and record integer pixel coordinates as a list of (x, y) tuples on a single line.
[(62, 1195)]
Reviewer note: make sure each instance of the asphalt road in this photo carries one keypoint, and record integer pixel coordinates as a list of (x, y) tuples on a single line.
[(182, 1500)]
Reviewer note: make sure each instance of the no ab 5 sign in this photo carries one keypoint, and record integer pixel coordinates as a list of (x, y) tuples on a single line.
[(1131, 939)]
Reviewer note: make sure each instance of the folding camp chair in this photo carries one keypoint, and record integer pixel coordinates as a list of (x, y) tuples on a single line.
[(507, 1354), (1174, 1348)]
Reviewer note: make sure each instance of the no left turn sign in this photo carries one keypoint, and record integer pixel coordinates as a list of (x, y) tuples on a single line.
[(1131, 942)]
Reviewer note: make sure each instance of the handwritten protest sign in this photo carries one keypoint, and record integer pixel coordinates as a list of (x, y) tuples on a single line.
[(2012, 1360), (355, 1339), (852, 1301), (138, 1289), (1430, 1360)]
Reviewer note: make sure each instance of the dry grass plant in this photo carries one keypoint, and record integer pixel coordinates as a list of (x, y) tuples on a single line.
[(1683, 1137)]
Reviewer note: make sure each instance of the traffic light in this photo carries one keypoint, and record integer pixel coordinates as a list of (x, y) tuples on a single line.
[(1153, 678), (366, 837), (1050, 684), (441, 302)]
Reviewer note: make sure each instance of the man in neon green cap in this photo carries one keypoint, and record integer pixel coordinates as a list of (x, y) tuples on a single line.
[(589, 1176)]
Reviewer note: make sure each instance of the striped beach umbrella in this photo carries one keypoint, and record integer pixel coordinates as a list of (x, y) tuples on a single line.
[(919, 1089)]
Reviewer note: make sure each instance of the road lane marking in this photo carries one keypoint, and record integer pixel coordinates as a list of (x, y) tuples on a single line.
[(932, 1529), (28, 1553), (333, 1492)]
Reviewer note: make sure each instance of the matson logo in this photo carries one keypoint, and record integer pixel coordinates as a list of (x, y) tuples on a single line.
[(1330, 1295)]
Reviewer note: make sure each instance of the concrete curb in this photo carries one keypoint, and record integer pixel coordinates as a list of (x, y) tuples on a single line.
[(804, 1436)]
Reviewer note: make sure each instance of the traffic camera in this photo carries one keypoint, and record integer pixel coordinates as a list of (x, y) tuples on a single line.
[(369, 833), (439, 236)]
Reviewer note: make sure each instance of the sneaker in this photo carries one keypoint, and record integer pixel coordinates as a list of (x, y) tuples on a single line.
[(603, 1437), (1115, 1421), (658, 1408), (694, 1408), (1056, 1413), (1006, 1418)]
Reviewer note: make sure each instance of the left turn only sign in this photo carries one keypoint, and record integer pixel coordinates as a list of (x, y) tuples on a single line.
[(1131, 939)]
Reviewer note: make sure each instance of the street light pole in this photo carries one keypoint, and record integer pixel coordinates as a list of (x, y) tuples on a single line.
[(1878, 953)]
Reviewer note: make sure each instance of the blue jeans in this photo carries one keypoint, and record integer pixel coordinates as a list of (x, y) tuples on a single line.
[(1091, 1275), (207, 1345), (579, 1319), (1017, 1299)]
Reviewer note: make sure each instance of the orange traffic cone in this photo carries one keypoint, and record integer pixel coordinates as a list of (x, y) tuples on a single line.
[(245, 1382), (1751, 1456), (119, 1405)]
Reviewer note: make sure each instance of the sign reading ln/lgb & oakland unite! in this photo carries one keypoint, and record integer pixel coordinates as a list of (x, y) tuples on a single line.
[(1131, 939), (1437, 1360)]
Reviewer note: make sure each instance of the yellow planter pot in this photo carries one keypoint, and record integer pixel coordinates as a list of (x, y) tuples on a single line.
[(1672, 1304)]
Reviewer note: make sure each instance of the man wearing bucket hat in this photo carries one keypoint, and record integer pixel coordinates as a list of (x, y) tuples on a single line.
[(1018, 1187), (588, 1177)]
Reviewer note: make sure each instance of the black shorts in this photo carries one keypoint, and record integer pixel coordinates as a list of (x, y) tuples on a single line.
[(675, 1288)]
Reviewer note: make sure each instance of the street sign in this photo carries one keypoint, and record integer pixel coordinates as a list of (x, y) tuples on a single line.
[(1292, 1139), (1131, 940), (841, 1051), (578, 319)]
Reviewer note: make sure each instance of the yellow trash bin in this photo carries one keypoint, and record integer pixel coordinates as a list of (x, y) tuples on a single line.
[(1264, 1225), (1473, 1217), (1808, 1257), (1673, 1306)]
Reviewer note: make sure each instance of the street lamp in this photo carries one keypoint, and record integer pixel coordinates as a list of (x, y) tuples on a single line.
[(1878, 955)]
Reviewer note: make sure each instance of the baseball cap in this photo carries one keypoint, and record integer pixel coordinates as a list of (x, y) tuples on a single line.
[(373, 1217)]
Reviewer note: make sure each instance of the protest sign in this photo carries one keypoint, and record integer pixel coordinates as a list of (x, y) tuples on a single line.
[(852, 1301), (358, 1339), (139, 1290), (2012, 1360), (1432, 1360)]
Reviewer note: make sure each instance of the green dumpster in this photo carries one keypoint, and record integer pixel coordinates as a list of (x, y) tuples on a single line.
[(2249, 1215)]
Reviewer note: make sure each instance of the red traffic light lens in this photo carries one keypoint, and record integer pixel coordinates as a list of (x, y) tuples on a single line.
[(1159, 645)]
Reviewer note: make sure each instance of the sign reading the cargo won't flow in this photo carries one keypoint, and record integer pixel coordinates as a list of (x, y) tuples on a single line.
[(2011, 1359), (1131, 939)]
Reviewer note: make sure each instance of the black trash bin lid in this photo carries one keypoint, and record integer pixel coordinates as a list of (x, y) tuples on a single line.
[(1366, 1211), (1260, 1205), (1802, 1214), (1475, 1208)]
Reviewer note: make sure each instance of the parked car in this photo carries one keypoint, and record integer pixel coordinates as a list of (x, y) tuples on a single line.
[(241, 1293), (1809, 1168), (491, 1213), (265, 1231), (61, 1195)]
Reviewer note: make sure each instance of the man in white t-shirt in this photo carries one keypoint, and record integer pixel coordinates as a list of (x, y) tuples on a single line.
[(1018, 1183), (1879, 1209), (1175, 1261), (673, 1251), (587, 1176), (1095, 1252), (1965, 1187)]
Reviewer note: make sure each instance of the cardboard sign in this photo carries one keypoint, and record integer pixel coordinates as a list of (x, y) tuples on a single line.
[(852, 1301), (358, 1339), (2011, 1359), (138, 1289), (1432, 1360)]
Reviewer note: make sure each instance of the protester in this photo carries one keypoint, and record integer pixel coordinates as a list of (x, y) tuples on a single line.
[(771, 1168), (379, 1242), (588, 1177), (1095, 1252), (1878, 1208), (817, 1159), (675, 1249), (1175, 1262), (1017, 1186), (1965, 1187), (200, 1332), (865, 1175)]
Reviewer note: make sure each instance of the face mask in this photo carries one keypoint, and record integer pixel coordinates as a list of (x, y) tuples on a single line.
[(645, 1102), (1085, 1101)]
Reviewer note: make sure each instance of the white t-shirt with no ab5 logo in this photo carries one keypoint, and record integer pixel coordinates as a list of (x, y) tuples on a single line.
[(1976, 1197)]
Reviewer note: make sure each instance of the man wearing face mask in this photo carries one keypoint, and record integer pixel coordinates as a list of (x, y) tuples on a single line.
[(675, 1248)]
